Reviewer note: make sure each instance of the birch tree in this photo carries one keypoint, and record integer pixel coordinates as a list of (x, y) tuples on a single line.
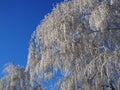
[(17, 79), (81, 38)]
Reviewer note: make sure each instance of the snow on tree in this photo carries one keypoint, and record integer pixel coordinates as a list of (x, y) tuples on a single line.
[(82, 39), (17, 79)]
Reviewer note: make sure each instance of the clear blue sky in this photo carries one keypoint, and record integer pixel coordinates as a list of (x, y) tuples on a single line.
[(18, 19)]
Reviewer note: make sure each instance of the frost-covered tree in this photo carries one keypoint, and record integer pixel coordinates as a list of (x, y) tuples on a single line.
[(81, 38), (17, 79)]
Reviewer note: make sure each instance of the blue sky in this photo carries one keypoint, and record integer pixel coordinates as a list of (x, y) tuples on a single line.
[(18, 19)]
